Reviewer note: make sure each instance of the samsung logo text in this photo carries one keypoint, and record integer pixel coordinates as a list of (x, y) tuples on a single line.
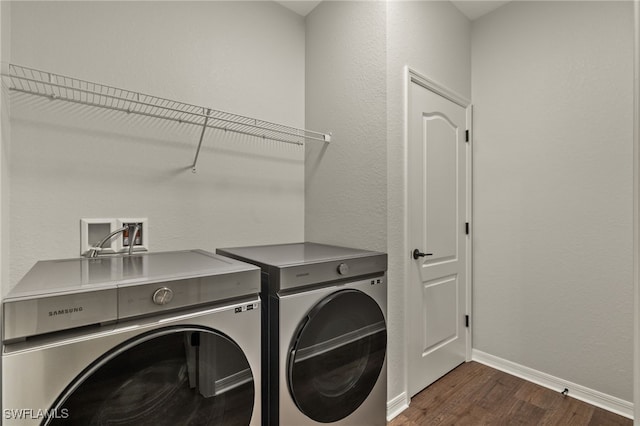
[(65, 311)]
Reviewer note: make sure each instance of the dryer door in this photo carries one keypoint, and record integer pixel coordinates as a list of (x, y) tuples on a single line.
[(336, 355), (171, 376)]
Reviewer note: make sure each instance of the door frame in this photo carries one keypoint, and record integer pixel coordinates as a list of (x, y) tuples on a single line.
[(415, 77)]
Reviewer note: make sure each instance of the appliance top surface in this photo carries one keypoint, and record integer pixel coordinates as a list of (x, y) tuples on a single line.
[(50, 277), (295, 254)]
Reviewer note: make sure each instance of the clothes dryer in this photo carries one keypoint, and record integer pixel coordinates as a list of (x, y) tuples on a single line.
[(324, 333), (159, 338)]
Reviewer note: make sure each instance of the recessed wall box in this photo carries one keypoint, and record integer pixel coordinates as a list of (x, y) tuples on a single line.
[(93, 230), (141, 242)]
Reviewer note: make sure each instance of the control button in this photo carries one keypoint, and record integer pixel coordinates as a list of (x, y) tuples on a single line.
[(162, 296), (343, 269)]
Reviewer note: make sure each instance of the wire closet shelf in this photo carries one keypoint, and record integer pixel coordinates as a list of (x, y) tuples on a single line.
[(70, 89)]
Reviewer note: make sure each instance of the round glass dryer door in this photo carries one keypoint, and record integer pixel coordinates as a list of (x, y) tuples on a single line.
[(173, 376), (336, 355)]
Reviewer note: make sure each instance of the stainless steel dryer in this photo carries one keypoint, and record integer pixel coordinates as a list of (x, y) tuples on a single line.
[(159, 338), (325, 333)]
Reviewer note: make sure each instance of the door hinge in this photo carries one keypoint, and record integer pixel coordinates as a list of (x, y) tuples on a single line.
[(466, 321), (466, 228), (466, 136)]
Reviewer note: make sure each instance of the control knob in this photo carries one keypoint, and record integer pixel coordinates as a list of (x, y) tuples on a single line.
[(162, 296), (343, 269)]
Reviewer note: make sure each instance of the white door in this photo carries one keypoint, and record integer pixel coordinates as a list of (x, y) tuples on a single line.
[(438, 188)]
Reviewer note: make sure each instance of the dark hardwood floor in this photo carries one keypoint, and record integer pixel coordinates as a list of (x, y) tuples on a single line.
[(474, 394)]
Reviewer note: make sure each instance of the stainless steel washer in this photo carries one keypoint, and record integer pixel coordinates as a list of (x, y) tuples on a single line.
[(326, 335), (159, 338)]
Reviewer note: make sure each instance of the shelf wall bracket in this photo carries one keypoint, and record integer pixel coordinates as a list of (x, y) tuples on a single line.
[(204, 128)]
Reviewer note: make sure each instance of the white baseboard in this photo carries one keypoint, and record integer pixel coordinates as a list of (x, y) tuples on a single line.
[(397, 405), (590, 396)]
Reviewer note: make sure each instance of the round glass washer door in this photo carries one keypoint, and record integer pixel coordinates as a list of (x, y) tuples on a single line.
[(337, 355), (172, 376)]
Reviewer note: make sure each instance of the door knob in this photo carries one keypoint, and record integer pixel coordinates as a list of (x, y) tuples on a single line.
[(417, 254)]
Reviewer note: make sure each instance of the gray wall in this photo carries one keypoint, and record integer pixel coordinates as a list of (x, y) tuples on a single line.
[(5, 131), (636, 190), (69, 162), (552, 94), (346, 181)]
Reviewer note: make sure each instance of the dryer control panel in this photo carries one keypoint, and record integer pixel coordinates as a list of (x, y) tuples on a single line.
[(312, 273), (295, 265)]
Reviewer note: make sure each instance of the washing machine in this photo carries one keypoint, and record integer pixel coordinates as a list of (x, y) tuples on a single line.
[(325, 334), (170, 338)]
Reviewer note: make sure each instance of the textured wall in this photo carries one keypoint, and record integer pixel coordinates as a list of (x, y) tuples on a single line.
[(5, 131), (69, 162), (636, 191), (346, 181), (432, 38), (345, 185), (552, 94)]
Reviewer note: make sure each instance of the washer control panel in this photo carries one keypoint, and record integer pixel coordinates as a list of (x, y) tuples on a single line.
[(162, 296), (135, 300)]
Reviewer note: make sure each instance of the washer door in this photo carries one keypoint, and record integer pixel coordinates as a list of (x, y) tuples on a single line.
[(336, 355), (171, 376)]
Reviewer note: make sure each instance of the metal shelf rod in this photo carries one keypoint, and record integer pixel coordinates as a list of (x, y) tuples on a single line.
[(177, 120), (114, 108), (319, 137), (137, 101), (69, 89)]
